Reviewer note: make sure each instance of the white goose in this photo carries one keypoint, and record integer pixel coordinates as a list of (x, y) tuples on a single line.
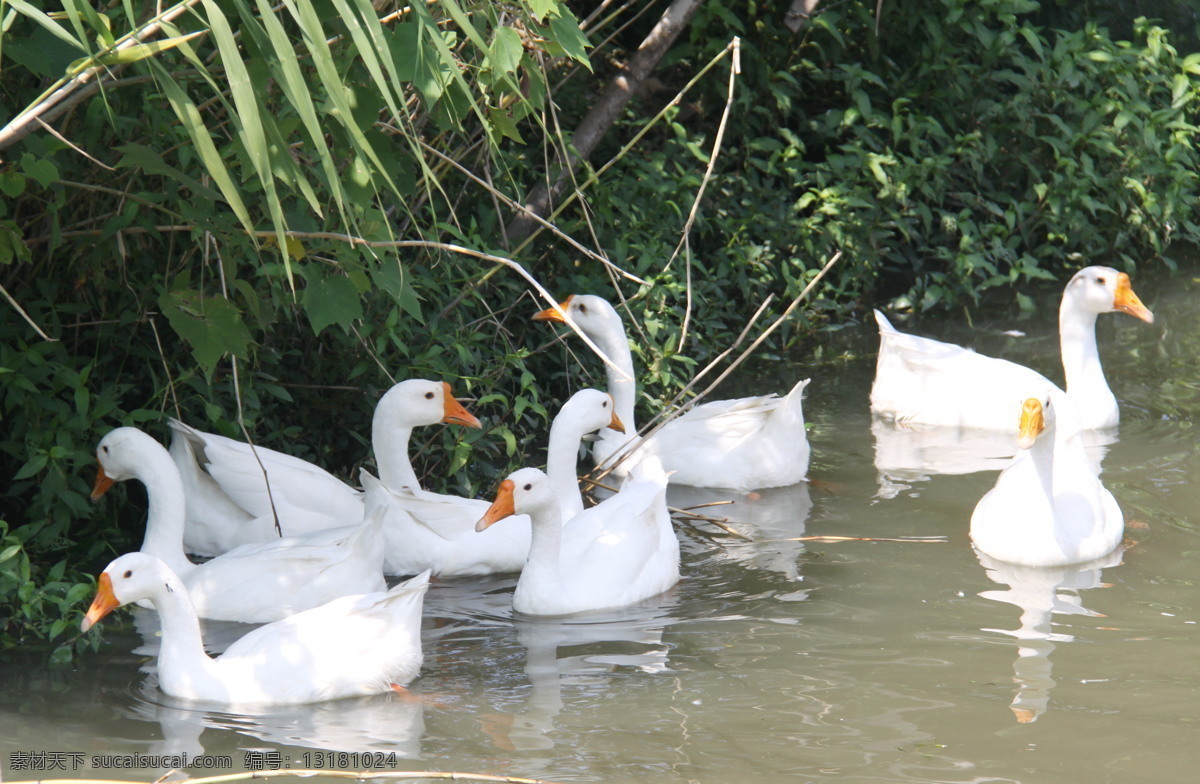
[(1048, 507), (744, 444), (254, 583), (427, 530), (923, 381), (356, 645), (228, 502), (614, 554)]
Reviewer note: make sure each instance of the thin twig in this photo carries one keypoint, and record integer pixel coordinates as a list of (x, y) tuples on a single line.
[(685, 240), (24, 315)]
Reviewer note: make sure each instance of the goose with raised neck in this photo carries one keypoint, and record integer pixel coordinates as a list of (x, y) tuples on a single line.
[(253, 583)]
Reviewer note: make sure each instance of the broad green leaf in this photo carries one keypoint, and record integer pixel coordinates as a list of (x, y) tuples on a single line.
[(46, 22), (567, 34), (506, 50), (538, 9), (40, 169), (212, 326), (333, 300)]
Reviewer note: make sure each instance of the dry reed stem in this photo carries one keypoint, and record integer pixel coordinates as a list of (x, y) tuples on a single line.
[(685, 240)]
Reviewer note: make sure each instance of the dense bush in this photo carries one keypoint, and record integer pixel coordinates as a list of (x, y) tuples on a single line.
[(192, 211)]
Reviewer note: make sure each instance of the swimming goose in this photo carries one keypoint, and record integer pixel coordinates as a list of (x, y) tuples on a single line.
[(924, 381), (425, 530), (617, 553), (253, 583), (1048, 507), (226, 493), (356, 645), (744, 444)]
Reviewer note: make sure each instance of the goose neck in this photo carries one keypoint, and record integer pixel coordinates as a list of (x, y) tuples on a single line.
[(562, 455), (1080, 357), (621, 383), (182, 661), (545, 548), (390, 442), (166, 510)]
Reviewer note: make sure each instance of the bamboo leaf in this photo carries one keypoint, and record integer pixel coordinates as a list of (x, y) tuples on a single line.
[(137, 52), (193, 123)]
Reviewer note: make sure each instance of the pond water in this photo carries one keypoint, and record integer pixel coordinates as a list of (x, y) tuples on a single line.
[(774, 660)]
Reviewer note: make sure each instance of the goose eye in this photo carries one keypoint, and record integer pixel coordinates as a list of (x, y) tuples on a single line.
[(528, 486), (582, 308), (605, 404), (128, 573), (1101, 280), (429, 396), (105, 448)]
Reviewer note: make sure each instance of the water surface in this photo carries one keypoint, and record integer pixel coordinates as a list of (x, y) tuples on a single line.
[(778, 660)]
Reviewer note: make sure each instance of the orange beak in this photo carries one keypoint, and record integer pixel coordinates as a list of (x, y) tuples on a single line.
[(501, 508), (1127, 302), (102, 485), (616, 423), (556, 313), (1033, 422), (453, 411), (104, 603)]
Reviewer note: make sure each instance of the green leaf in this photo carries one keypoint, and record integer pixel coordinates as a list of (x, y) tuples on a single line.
[(131, 54), (333, 300), (212, 326), (538, 9), (40, 169), (567, 34), (9, 552), (507, 50), (149, 161)]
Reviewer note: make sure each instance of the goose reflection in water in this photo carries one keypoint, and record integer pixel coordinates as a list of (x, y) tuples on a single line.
[(906, 453), (771, 520), (624, 639), (389, 723), (1040, 593)]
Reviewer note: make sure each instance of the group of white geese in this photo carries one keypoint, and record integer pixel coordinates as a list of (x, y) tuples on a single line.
[(296, 549)]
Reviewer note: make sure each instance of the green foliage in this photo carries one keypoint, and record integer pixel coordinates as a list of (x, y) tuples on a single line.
[(253, 219)]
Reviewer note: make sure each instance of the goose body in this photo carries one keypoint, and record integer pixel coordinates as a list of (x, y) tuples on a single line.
[(614, 554), (743, 444), (352, 646), (924, 381), (1048, 507), (253, 583), (425, 530), (228, 499)]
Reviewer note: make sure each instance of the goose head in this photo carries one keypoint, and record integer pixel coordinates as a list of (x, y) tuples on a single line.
[(589, 410), (130, 578), (417, 402), (594, 315), (1039, 417), (525, 491), (121, 455), (1104, 290)]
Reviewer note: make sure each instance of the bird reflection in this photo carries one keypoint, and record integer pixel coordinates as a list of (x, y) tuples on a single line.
[(379, 723), (627, 638), (1040, 593), (772, 519), (913, 452)]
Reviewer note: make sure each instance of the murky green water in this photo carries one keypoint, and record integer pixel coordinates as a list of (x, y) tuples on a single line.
[(856, 661)]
